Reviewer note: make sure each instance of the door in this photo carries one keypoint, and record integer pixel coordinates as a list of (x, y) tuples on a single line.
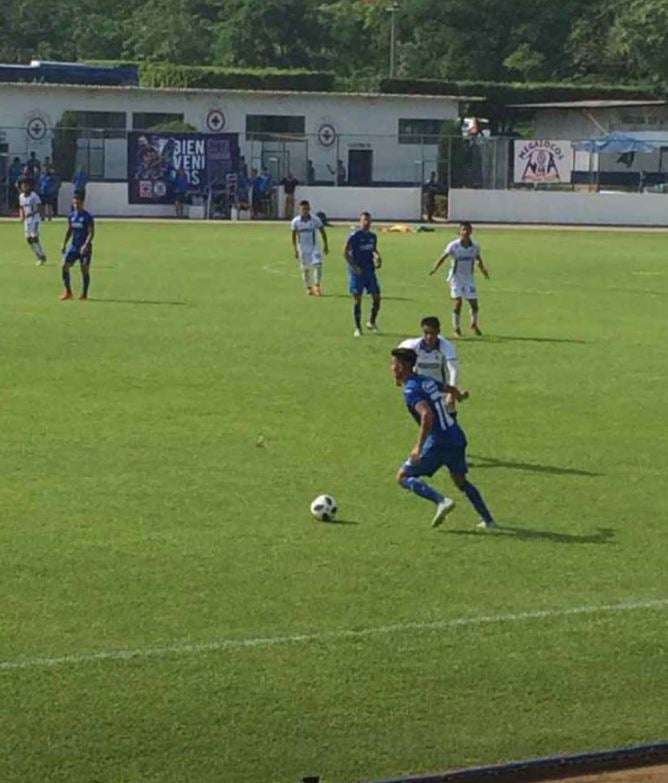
[(360, 167)]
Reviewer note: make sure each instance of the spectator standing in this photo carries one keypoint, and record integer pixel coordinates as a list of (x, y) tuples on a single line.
[(180, 185), (430, 189), (310, 172), (256, 198), (33, 167), (80, 180), (265, 188), (340, 172), (15, 171), (289, 186)]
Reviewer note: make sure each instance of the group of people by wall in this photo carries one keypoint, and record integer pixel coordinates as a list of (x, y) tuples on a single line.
[(45, 179)]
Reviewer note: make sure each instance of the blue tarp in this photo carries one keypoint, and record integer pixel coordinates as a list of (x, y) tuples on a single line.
[(71, 73), (616, 142)]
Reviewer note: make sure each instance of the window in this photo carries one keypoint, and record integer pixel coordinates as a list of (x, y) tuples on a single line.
[(263, 126), (420, 131), (150, 120), (112, 122)]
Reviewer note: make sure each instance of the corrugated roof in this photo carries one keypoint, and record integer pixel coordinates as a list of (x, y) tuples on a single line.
[(193, 91), (605, 104)]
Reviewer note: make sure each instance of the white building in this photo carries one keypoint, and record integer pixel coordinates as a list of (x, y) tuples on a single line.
[(378, 139)]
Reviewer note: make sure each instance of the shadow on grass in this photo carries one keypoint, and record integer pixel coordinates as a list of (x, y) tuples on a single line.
[(139, 302), (385, 298), (529, 467), (604, 535), (507, 338), (345, 522)]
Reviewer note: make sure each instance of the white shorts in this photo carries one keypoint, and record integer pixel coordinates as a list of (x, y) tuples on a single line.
[(463, 288), (31, 227), (310, 258)]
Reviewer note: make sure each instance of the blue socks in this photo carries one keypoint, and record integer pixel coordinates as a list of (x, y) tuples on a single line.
[(420, 488), (86, 283), (66, 279), (375, 307), (477, 502), (357, 313)]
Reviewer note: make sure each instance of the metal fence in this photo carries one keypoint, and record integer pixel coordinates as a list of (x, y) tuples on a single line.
[(337, 160)]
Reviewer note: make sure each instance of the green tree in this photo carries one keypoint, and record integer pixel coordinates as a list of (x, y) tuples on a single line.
[(276, 33), (168, 31)]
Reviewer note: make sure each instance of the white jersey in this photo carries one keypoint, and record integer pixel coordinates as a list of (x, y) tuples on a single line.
[(439, 362), (307, 238), (30, 204), (463, 259)]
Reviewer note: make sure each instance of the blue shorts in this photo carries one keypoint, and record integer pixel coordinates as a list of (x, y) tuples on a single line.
[(434, 457), (74, 254), (367, 281)]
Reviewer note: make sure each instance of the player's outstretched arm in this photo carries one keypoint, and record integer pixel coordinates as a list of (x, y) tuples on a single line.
[(456, 393), (438, 264), (68, 234), (426, 423), (325, 243), (89, 237)]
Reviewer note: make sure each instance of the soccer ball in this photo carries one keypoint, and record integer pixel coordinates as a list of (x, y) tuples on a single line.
[(324, 508)]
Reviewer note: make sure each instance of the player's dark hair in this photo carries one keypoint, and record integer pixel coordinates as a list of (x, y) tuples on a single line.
[(304, 203), (405, 356), (365, 213), (465, 224), (78, 194), (431, 321)]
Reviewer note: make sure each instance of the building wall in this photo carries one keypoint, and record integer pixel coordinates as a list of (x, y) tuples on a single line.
[(522, 206), (579, 124), (360, 122)]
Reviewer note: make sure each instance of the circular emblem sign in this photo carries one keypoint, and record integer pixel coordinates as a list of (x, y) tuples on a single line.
[(36, 128), (326, 135), (215, 120)]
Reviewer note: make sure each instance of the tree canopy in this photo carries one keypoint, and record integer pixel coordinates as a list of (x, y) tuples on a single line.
[(622, 41)]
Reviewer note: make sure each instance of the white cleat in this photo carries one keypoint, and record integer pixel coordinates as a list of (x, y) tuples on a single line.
[(482, 525), (373, 327), (41, 261), (442, 511), (357, 333)]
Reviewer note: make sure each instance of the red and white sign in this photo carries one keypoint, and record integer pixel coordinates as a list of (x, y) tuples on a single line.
[(541, 160)]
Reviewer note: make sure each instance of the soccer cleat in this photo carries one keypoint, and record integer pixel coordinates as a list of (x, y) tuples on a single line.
[(357, 333), (83, 297), (442, 511), (482, 525), (65, 295), (309, 291), (476, 330), (457, 332), (41, 261), (317, 291), (373, 327)]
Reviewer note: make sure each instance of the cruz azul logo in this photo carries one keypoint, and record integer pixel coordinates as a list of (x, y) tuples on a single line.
[(541, 161)]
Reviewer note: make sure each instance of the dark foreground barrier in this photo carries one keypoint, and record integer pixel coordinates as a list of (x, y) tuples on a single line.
[(545, 769)]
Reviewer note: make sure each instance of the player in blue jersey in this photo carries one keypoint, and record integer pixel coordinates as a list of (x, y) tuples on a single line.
[(361, 253), (79, 235), (441, 441)]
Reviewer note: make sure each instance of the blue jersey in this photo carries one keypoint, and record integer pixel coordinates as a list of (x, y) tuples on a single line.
[(81, 224), (362, 246), (445, 431)]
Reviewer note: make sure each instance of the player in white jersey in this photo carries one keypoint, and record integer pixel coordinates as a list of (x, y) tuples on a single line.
[(464, 253), (305, 229), (30, 212), (436, 356)]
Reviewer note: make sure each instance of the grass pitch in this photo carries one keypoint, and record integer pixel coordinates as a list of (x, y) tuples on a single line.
[(140, 514)]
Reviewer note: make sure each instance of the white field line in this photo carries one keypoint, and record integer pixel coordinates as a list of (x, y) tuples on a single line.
[(198, 648)]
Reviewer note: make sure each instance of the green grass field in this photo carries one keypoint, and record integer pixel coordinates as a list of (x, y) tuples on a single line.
[(139, 513)]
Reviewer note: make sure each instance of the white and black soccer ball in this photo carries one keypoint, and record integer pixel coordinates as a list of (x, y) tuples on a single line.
[(324, 508)]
